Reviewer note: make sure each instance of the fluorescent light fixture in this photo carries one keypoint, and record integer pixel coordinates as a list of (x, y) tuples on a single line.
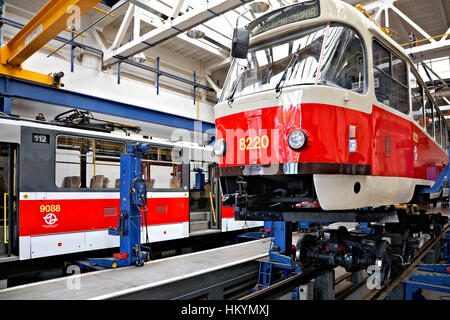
[(195, 34)]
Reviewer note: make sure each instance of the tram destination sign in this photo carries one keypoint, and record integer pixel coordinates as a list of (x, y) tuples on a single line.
[(299, 12)]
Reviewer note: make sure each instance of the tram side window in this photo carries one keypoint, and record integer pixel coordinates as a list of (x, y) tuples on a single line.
[(417, 99), (429, 116), (346, 65), (162, 168), (437, 127), (87, 163), (390, 79), (103, 169), (444, 133)]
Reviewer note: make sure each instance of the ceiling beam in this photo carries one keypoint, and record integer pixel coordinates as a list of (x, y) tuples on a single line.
[(124, 26), (412, 23), (217, 65), (172, 29), (436, 45), (177, 9)]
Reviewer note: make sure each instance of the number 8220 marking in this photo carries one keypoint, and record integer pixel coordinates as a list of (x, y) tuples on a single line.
[(254, 143)]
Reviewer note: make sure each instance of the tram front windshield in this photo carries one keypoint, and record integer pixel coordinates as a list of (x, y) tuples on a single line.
[(331, 54)]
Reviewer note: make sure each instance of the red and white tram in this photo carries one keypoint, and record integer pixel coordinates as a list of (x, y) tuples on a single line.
[(325, 112), (59, 188)]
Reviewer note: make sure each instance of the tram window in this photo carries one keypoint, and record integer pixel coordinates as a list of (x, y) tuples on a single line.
[(437, 127), (346, 64), (398, 69), (162, 168), (416, 99), (104, 164), (87, 163), (443, 133), (445, 141), (381, 58), (429, 116), (390, 79), (295, 59)]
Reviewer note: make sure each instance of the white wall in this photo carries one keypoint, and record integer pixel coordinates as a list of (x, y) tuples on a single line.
[(101, 84)]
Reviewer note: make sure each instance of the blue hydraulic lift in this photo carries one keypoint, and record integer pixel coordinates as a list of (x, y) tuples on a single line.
[(133, 200), (280, 252), (439, 279)]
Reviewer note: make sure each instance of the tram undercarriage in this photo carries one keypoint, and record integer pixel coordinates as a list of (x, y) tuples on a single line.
[(387, 246), (387, 237)]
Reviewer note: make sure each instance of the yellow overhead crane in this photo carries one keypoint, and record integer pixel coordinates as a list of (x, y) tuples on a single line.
[(50, 21)]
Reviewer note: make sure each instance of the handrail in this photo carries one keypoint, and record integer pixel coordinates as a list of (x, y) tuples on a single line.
[(212, 207), (5, 216)]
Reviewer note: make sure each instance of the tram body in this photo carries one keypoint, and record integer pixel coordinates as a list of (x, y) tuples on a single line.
[(60, 189), (326, 112)]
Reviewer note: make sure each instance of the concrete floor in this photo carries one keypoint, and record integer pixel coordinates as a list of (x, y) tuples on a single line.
[(112, 283)]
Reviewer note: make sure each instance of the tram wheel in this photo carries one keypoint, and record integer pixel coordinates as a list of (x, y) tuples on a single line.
[(386, 263), (304, 244)]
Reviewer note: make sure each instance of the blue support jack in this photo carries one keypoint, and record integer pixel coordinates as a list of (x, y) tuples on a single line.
[(364, 227), (133, 199), (279, 256), (434, 282), (199, 179), (439, 277), (447, 247), (248, 236)]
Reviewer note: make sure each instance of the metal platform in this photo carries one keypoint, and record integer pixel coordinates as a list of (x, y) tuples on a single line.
[(177, 277)]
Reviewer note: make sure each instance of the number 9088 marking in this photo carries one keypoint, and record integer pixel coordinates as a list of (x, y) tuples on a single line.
[(50, 208)]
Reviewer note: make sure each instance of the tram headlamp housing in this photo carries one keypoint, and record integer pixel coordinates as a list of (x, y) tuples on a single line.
[(220, 147), (297, 139)]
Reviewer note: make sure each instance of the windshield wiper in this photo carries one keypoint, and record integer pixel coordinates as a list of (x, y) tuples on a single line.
[(230, 98), (294, 59)]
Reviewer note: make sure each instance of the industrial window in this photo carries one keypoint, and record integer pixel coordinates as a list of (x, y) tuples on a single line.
[(87, 163), (391, 87), (416, 99), (162, 168)]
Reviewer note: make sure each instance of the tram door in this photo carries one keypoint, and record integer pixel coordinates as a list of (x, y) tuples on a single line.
[(8, 197)]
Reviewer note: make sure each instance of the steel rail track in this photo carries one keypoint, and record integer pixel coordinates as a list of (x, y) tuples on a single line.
[(285, 286), (344, 294), (381, 294), (342, 278)]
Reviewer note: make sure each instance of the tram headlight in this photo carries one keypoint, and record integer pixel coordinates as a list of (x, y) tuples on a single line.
[(220, 147), (297, 139)]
